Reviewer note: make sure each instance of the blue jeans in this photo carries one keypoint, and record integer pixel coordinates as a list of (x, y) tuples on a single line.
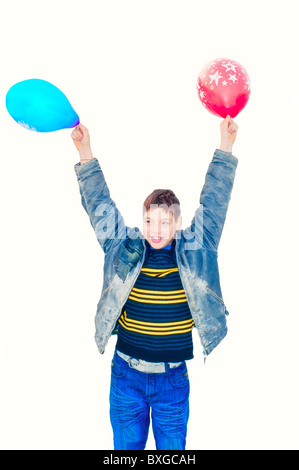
[(134, 393)]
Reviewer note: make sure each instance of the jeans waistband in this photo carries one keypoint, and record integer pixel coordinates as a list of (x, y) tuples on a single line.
[(148, 367)]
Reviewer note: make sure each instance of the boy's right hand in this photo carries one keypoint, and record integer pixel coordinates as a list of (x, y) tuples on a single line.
[(228, 129), (81, 139)]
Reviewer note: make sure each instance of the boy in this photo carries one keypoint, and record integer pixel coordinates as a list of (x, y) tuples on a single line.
[(157, 286)]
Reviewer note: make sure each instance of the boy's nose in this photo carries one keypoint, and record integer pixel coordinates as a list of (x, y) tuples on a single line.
[(155, 231)]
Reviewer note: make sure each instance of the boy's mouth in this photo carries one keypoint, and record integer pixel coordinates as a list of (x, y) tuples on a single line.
[(156, 240)]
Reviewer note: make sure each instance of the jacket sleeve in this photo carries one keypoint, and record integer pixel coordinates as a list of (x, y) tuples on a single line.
[(208, 222), (104, 216)]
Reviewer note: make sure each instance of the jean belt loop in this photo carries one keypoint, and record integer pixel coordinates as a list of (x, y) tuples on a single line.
[(166, 367), (133, 363)]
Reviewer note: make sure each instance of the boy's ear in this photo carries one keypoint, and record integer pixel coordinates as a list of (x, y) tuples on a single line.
[(178, 223)]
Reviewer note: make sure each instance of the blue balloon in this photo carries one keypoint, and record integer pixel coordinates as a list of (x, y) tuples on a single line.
[(40, 106)]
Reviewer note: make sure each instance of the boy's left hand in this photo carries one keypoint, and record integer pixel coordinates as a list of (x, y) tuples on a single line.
[(228, 129)]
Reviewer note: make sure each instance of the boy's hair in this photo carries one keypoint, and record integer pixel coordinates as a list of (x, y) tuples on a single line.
[(165, 198)]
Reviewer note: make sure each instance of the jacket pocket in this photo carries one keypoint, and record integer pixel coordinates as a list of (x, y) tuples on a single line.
[(127, 258), (219, 299)]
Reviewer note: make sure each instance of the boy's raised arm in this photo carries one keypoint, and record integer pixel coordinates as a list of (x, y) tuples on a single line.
[(208, 222), (104, 216)]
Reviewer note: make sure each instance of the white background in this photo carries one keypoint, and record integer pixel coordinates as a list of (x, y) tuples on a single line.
[(130, 68)]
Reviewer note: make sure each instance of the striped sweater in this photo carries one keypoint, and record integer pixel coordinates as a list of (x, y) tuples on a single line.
[(156, 323)]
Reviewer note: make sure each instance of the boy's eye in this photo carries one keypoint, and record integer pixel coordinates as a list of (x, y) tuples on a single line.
[(164, 222)]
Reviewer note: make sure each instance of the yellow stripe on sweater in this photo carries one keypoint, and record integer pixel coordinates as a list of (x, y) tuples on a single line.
[(158, 272), (161, 302), (185, 327), (156, 324), (159, 292), (164, 297)]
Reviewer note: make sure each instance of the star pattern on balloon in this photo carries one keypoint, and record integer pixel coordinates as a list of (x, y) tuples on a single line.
[(229, 66), (223, 87), (215, 77), (233, 78)]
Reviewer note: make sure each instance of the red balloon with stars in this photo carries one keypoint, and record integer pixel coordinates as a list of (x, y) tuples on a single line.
[(223, 87)]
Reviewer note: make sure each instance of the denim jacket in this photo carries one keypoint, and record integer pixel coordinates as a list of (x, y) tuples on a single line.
[(195, 250)]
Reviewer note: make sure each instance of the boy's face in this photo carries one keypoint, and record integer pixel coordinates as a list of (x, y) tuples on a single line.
[(159, 227)]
